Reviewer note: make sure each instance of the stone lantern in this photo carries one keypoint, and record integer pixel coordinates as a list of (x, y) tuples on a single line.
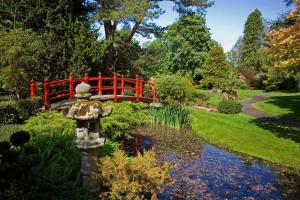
[(88, 141)]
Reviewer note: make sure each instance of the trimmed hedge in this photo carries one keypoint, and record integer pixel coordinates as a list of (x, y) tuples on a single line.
[(230, 107), (12, 112)]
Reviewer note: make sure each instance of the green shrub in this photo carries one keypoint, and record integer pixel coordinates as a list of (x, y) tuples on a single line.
[(129, 92), (8, 112), (131, 178), (6, 130), (57, 154), (172, 116), (28, 107), (201, 96), (48, 167), (125, 115), (17, 111), (230, 107), (174, 88), (7, 98), (49, 122)]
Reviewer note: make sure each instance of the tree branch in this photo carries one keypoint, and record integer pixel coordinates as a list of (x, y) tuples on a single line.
[(133, 31)]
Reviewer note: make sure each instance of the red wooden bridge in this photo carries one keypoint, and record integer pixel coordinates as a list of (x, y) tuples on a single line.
[(104, 88)]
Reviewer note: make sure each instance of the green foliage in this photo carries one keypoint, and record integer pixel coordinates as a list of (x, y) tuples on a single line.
[(252, 41), (172, 116), (7, 130), (19, 110), (7, 98), (49, 122), (131, 178), (229, 107), (58, 154), (201, 95), (217, 72), (48, 167), (18, 59), (134, 16), (174, 88), (188, 41), (125, 115), (152, 58)]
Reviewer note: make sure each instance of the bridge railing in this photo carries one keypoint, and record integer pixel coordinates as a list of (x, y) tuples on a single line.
[(115, 86)]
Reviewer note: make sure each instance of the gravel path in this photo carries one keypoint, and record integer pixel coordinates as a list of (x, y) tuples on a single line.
[(249, 109)]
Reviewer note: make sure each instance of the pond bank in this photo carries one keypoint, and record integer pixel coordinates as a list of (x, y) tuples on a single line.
[(242, 133), (202, 170)]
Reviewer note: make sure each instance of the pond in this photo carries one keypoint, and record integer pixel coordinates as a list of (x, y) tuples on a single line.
[(204, 171)]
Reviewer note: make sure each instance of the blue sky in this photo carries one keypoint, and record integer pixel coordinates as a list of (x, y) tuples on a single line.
[(226, 18)]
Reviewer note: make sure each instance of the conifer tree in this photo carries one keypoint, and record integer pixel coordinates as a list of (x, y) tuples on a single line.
[(252, 41), (216, 69)]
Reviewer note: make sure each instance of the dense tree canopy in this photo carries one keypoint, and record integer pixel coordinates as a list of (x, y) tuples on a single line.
[(188, 41), (134, 17)]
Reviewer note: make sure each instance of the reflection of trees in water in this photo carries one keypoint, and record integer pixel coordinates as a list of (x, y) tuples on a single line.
[(181, 142)]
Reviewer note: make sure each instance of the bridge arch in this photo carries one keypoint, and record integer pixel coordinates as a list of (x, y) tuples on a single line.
[(103, 89)]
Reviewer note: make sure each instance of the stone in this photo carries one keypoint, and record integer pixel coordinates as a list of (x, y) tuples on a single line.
[(87, 110), (83, 91), (88, 141)]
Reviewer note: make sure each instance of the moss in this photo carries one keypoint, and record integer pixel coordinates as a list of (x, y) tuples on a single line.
[(82, 108)]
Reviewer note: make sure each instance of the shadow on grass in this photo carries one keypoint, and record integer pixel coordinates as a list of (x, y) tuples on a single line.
[(290, 102), (280, 127)]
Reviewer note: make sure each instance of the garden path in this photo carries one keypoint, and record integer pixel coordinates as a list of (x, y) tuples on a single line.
[(249, 109)]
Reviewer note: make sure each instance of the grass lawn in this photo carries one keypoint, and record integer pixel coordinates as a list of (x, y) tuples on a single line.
[(245, 94), (215, 98), (243, 134), (280, 104)]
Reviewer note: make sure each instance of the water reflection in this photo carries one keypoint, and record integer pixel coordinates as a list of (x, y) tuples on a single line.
[(203, 171)]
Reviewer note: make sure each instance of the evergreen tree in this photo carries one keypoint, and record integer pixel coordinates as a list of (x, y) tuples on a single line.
[(136, 17), (216, 69), (188, 41), (252, 41)]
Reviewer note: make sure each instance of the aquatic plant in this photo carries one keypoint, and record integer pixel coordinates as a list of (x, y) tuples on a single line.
[(171, 116)]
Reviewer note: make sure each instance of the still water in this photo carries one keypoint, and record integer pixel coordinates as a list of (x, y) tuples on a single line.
[(204, 171)]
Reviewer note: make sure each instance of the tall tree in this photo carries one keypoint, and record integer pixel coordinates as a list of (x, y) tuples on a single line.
[(136, 17), (216, 69), (252, 41), (188, 41)]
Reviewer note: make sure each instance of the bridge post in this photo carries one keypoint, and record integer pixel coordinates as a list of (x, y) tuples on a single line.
[(32, 88), (137, 88), (86, 77), (115, 85), (99, 83), (122, 85), (46, 94), (141, 88), (71, 88), (154, 90)]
